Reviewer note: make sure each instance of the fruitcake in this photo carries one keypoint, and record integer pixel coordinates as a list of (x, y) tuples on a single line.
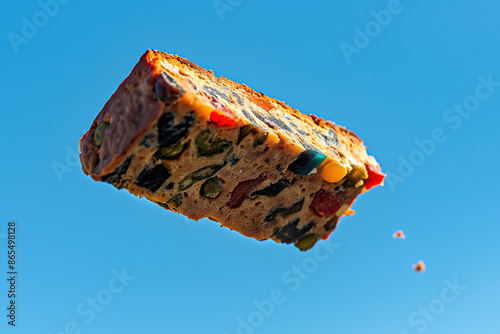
[(206, 146)]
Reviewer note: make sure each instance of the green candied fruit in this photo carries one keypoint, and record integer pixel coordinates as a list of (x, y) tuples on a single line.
[(207, 146), (307, 242), (163, 205), (99, 133), (244, 131), (259, 138), (186, 183), (200, 174), (171, 152), (176, 200), (211, 187), (354, 176), (306, 162), (258, 135)]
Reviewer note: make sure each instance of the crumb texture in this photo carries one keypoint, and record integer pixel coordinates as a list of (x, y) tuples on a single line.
[(206, 146)]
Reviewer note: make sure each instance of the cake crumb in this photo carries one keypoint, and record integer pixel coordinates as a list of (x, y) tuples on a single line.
[(419, 266), (399, 235)]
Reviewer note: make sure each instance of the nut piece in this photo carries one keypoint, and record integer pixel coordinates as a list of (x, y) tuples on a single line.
[(99, 133), (170, 152), (211, 187), (200, 174), (307, 242), (208, 146)]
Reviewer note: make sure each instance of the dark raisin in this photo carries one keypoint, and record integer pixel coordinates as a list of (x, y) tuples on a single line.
[(169, 186), (170, 152), (115, 178), (198, 175), (306, 162), (176, 200), (331, 224), (211, 187), (233, 160), (166, 89), (208, 146), (241, 191), (290, 233), (148, 140), (284, 211), (152, 178), (271, 190), (170, 134), (279, 167)]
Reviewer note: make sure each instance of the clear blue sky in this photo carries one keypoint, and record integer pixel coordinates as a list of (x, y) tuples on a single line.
[(421, 87)]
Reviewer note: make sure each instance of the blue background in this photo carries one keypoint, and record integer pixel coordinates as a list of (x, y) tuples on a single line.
[(195, 277)]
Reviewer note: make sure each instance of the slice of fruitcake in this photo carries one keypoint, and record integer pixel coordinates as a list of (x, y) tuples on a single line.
[(209, 147)]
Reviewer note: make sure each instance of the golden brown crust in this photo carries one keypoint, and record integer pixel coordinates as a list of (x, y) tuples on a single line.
[(353, 144)]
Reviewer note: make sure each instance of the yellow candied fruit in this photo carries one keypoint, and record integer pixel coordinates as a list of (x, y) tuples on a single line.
[(357, 173), (341, 210), (333, 172), (203, 109)]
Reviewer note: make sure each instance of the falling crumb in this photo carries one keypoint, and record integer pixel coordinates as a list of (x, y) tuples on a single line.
[(419, 266), (399, 235)]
